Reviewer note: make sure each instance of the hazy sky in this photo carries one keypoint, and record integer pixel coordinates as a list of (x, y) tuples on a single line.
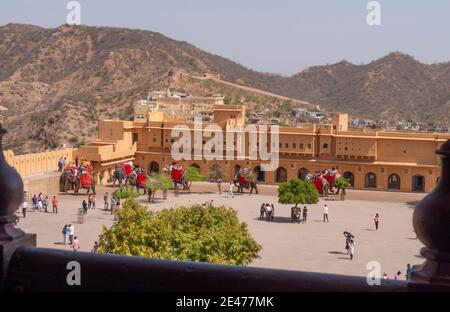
[(279, 36)]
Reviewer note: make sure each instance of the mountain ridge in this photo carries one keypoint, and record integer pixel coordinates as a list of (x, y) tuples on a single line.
[(56, 82)]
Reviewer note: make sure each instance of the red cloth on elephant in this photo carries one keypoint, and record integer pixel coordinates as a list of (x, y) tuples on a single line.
[(85, 180), (330, 177), (141, 179), (177, 174), (318, 183), (244, 182), (71, 168), (128, 168)]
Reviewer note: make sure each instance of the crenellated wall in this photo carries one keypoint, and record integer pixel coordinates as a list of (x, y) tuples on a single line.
[(36, 163)]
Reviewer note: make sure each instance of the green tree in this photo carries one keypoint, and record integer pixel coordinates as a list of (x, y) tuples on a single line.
[(128, 192), (342, 183), (297, 191), (193, 233), (216, 175), (192, 174)]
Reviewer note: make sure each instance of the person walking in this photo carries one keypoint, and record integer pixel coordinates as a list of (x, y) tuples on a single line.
[(89, 200), (351, 249), (305, 214), (268, 212), (273, 212), (230, 190), (95, 248), (376, 219), (397, 276), (55, 204), (84, 204), (262, 211), (34, 203), (71, 232), (75, 244), (24, 208), (106, 201), (65, 232), (40, 199), (325, 213), (94, 200), (409, 271), (46, 203)]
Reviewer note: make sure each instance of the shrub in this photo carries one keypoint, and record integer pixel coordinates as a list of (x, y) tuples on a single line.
[(194, 233)]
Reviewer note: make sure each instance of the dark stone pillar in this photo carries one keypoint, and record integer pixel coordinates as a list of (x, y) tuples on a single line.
[(11, 196), (431, 222)]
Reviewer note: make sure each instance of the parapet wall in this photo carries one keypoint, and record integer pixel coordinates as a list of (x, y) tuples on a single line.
[(37, 163)]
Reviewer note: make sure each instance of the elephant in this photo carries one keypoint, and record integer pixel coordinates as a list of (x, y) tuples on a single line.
[(68, 181), (118, 175)]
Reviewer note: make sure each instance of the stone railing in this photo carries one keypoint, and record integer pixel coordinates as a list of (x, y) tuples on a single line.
[(19, 258)]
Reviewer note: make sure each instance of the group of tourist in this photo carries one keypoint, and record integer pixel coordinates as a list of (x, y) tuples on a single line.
[(398, 275), (89, 203), (112, 203), (267, 212), (62, 162), (39, 202)]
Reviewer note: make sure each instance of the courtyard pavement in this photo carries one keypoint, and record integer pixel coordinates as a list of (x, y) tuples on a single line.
[(315, 246)]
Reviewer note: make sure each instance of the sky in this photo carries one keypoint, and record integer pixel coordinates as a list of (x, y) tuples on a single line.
[(277, 36)]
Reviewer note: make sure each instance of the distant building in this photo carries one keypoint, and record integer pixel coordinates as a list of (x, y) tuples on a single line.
[(370, 159)]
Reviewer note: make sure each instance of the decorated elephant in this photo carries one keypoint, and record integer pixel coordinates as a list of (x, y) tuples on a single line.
[(74, 179)]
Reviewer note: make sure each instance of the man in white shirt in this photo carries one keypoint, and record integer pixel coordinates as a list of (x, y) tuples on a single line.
[(71, 233), (325, 213)]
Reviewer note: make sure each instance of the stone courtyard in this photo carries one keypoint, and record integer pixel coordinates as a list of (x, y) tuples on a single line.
[(314, 246)]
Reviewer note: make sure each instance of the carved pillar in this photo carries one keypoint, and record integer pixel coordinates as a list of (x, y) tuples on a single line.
[(431, 222), (11, 196)]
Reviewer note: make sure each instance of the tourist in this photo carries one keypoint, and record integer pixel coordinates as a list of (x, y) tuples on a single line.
[(94, 200), (60, 164), (34, 202), (273, 212), (46, 203), (117, 203), (89, 200), (385, 276), (54, 205), (106, 201), (268, 212), (113, 205), (351, 248), (84, 204), (75, 244), (376, 219), (95, 248), (325, 213), (409, 271), (230, 189), (101, 176), (71, 231), (65, 232), (24, 208), (39, 202), (397, 276), (64, 163), (305, 214), (262, 211)]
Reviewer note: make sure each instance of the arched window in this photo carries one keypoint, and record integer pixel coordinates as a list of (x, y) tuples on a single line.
[(196, 166), (418, 183), (394, 182), (370, 180), (153, 167), (260, 175), (350, 177), (281, 175), (302, 173)]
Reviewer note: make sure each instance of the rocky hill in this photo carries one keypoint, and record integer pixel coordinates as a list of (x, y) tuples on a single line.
[(57, 82)]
